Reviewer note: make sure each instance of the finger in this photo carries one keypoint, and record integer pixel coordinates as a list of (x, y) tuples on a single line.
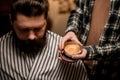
[(60, 45), (63, 42), (60, 58), (60, 51), (60, 48), (81, 55)]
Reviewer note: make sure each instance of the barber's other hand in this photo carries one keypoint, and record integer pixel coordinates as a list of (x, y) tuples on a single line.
[(81, 56)]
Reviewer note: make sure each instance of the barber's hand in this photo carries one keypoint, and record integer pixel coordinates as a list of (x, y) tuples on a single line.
[(81, 56), (76, 57), (70, 36)]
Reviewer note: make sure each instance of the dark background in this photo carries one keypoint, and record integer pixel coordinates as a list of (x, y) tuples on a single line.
[(5, 6)]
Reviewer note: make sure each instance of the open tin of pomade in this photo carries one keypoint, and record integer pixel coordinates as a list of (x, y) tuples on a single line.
[(71, 48)]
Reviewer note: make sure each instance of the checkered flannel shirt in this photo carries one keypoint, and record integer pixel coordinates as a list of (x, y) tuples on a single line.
[(106, 54)]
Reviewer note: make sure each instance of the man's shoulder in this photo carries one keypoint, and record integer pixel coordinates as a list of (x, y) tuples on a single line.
[(53, 34), (6, 36)]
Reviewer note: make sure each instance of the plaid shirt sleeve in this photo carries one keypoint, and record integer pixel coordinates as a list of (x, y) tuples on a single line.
[(95, 52), (75, 19)]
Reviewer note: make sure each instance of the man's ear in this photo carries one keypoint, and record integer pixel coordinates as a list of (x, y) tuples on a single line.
[(10, 19)]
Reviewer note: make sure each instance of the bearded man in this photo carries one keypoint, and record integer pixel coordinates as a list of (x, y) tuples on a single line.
[(30, 50)]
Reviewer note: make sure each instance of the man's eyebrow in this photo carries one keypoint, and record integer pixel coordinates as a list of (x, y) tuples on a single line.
[(32, 27)]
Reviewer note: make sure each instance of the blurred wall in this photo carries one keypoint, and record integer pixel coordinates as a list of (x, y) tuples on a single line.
[(4, 16), (59, 19)]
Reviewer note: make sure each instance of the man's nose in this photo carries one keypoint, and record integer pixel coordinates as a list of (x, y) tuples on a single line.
[(31, 35)]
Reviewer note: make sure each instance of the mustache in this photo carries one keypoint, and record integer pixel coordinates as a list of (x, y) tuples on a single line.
[(30, 46), (30, 43)]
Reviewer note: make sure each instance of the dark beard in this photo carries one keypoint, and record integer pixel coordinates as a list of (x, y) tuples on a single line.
[(30, 46)]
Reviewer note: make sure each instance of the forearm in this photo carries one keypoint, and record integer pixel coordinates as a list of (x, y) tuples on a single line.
[(75, 20)]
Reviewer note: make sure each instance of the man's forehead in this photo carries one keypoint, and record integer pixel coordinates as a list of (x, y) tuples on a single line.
[(24, 20)]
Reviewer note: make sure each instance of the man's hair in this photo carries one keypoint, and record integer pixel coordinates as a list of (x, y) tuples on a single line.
[(29, 8)]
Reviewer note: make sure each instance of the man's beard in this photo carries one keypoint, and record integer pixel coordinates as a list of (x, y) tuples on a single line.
[(30, 46)]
